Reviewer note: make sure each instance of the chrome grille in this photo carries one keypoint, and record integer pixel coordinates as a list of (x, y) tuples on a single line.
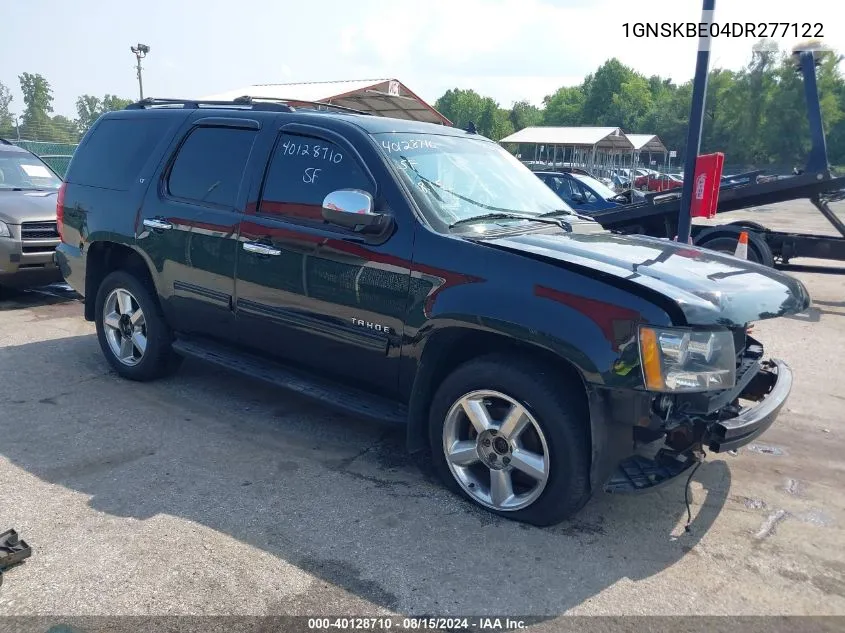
[(39, 231)]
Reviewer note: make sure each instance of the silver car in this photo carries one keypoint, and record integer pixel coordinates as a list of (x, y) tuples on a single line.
[(28, 231)]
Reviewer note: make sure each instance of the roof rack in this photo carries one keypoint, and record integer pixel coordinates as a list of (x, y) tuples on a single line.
[(256, 103), (150, 102), (295, 102)]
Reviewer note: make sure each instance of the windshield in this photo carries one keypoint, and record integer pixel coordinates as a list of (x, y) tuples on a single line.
[(596, 185), (458, 178), (24, 171)]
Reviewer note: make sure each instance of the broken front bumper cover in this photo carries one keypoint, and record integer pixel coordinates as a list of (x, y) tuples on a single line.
[(771, 390), (768, 384)]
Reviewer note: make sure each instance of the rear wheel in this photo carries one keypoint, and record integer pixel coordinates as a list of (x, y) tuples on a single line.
[(511, 437), (132, 332)]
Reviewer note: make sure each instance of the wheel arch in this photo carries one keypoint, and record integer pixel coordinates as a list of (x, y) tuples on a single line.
[(104, 257), (448, 348)]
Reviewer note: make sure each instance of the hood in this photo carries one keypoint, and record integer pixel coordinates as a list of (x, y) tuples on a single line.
[(710, 288), (27, 206)]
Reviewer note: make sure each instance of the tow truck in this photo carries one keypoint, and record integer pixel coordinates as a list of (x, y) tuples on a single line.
[(657, 215)]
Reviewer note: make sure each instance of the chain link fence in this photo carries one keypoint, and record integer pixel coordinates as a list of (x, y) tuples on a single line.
[(56, 155)]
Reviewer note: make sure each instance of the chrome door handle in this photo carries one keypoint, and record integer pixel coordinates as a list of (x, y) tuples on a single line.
[(261, 249), (155, 223)]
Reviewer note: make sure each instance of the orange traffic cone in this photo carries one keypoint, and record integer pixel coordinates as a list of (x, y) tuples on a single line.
[(742, 246)]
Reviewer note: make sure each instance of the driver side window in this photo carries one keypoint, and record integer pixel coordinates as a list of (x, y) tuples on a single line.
[(303, 171)]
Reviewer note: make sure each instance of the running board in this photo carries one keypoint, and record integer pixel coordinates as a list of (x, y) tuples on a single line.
[(638, 473), (336, 395)]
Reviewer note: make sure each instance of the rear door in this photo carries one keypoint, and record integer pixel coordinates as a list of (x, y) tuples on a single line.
[(189, 222)]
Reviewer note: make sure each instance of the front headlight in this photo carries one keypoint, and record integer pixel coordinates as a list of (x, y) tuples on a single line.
[(4, 230), (679, 360)]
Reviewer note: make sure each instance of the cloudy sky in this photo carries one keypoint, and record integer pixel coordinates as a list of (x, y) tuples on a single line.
[(508, 49)]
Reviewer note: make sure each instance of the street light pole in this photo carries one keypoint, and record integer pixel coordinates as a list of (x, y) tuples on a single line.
[(140, 51), (696, 119)]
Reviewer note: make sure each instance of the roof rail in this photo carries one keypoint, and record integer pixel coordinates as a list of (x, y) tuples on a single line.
[(5, 141), (256, 103), (295, 102), (150, 102)]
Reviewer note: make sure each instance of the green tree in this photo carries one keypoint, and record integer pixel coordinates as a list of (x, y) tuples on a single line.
[(7, 120), (600, 88), (38, 102), (463, 107), (113, 102), (786, 131), (832, 89), (631, 105), (63, 130), (756, 115), (565, 107), (525, 114), (89, 108)]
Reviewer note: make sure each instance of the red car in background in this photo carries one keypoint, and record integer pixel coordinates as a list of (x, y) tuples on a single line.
[(658, 182)]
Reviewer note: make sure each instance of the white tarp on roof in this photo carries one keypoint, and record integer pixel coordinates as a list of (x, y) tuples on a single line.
[(385, 97), (603, 137), (646, 143)]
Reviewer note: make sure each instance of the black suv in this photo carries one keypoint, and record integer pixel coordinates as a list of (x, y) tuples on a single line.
[(419, 274)]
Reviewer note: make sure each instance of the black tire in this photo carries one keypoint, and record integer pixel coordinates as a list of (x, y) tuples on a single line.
[(758, 250), (158, 359), (557, 404)]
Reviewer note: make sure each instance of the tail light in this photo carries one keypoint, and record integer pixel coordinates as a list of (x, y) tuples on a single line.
[(60, 209)]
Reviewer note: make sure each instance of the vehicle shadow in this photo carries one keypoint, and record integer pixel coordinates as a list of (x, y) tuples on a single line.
[(814, 313), (19, 299), (333, 496)]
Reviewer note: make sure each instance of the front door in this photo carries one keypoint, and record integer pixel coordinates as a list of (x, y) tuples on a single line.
[(316, 294), (188, 227)]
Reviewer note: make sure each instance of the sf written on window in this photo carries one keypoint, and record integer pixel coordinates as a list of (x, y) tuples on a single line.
[(303, 171)]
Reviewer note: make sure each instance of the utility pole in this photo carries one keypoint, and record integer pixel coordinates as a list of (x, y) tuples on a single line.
[(696, 119), (140, 51)]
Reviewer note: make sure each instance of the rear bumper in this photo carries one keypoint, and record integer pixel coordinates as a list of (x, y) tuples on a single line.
[(27, 264), (774, 382), (71, 263)]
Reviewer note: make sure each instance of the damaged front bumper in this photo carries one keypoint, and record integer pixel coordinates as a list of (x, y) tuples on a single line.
[(769, 387), (692, 425)]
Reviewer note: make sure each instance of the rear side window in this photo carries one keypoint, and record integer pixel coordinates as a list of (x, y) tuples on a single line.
[(116, 151), (210, 165)]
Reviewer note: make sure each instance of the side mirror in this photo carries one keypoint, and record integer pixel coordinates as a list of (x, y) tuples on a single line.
[(353, 209)]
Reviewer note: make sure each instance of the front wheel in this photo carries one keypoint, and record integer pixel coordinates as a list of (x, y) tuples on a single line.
[(132, 332), (511, 436)]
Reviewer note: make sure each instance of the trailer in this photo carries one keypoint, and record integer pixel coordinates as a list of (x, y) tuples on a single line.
[(657, 216)]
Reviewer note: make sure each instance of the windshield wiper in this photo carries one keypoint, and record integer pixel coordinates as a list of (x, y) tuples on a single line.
[(557, 212), (512, 216)]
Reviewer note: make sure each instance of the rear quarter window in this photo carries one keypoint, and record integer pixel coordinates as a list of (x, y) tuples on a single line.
[(116, 152)]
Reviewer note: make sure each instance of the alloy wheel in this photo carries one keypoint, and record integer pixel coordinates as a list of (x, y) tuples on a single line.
[(496, 450), (125, 326)]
